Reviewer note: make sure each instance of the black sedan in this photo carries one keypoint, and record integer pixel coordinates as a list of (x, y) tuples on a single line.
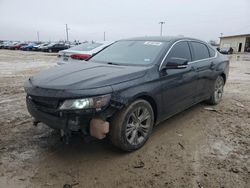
[(228, 50), (127, 88), (55, 47)]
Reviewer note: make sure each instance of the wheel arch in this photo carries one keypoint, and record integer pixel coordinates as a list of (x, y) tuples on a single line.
[(223, 75)]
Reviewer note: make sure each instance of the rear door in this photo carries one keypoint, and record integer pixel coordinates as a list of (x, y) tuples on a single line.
[(204, 66), (178, 85)]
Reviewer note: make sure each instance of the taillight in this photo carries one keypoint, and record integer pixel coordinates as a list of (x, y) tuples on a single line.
[(80, 56)]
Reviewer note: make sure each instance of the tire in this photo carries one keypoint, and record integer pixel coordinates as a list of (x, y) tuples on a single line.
[(218, 89), (128, 130)]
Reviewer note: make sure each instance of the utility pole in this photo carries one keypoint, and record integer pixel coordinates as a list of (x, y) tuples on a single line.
[(38, 40), (161, 27), (67, 32), (104, 36)]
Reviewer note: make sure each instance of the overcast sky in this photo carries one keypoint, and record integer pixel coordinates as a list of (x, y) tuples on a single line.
[(88, 19)]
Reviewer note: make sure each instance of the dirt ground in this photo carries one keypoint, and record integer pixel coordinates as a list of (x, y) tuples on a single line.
[(205, 146)]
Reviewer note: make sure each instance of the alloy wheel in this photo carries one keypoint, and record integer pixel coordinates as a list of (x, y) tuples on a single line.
[(219, 86), (138, 125)]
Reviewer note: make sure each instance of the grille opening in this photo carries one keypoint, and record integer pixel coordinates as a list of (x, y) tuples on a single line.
[(46, 102)]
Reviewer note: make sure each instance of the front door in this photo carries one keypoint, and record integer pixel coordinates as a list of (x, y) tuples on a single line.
[(178, 85)]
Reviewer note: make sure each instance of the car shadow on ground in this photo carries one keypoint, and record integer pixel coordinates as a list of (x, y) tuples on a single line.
[(80, 145)]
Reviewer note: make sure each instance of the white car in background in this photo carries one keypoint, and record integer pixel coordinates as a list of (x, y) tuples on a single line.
[(81, 52)]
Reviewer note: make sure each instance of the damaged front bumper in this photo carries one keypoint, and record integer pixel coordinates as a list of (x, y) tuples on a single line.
[(89, 122)]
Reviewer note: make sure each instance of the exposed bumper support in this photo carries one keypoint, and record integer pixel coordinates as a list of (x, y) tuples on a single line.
[(99, 128)]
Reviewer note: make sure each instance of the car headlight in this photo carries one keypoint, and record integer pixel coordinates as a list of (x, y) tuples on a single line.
[(86, 103)]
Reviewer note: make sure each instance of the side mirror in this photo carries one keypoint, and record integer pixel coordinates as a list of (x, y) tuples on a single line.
[(176, 63)]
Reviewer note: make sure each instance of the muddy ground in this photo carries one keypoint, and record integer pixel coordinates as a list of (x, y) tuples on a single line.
[(196, 148)]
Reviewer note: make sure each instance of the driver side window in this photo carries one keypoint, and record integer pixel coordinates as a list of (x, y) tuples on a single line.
[(180, 50)]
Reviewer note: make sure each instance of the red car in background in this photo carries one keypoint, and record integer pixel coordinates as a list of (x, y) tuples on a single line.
[(17, 46)]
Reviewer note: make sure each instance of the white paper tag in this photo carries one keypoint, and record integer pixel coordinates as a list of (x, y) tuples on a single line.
[(153, 43)]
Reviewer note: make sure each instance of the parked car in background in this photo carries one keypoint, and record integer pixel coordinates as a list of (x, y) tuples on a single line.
[(8, 44), (127, 88), (227, 50), (81, 52), (43, 46), (75, 43), (40, 46), (11, 44), (28, 47), (17, 46), (2, 44), (55, 47)]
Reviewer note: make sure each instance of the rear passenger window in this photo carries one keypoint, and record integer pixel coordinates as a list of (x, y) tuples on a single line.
[(180, 50), (200, 51), (211, 52)]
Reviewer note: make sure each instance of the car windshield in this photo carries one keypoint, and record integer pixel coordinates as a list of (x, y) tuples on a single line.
[(87, 46), (130, 53)]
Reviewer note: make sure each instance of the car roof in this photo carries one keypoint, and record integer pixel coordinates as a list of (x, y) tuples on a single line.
[(162, 38)]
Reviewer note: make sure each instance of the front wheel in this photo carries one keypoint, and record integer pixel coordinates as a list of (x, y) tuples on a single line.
[(132, 126), (217, 94)]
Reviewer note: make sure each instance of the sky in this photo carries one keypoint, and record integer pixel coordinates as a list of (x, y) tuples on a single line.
[(89, 19)]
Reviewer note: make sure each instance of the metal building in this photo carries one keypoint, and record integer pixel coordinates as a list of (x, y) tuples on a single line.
[(239, 43)]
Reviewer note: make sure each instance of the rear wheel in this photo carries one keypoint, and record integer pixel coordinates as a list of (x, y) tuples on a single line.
[(132, 126), (217, 94)]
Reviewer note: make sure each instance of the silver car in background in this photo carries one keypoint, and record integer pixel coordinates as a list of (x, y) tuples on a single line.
[(81, 52)]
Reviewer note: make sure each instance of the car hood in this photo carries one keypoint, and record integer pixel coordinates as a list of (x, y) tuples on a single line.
[(88, 75)]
